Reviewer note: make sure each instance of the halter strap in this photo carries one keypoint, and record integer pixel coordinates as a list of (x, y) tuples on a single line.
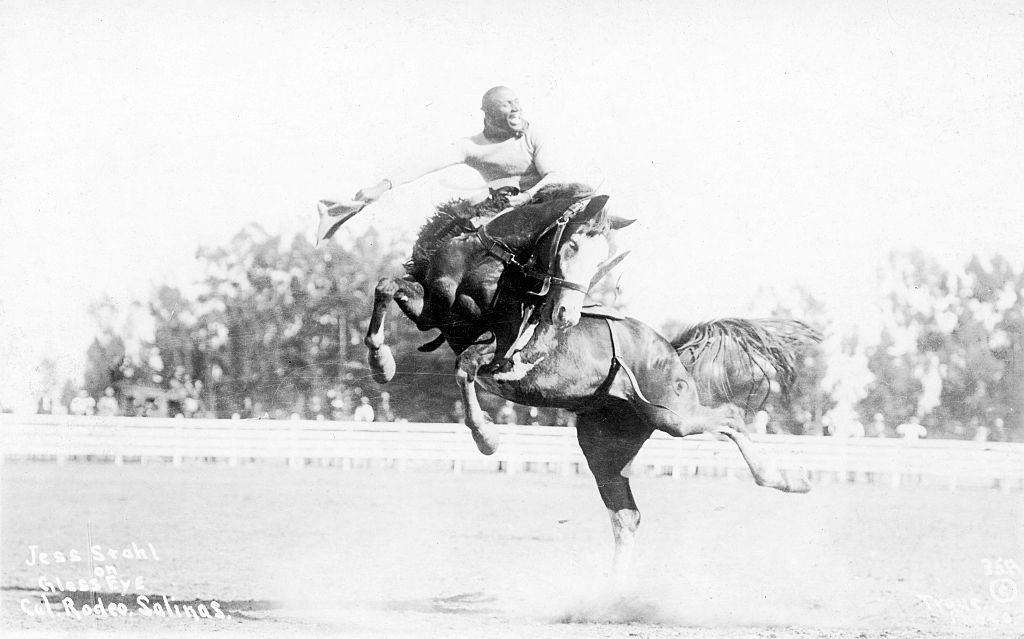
[(507, 256)]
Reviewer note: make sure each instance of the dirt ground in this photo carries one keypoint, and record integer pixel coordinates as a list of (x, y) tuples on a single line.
[(374, 553)]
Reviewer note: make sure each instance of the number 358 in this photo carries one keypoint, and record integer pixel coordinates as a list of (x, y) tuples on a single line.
[(1000, 567)]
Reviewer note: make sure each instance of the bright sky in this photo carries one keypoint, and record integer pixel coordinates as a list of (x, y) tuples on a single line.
[(760, 144)]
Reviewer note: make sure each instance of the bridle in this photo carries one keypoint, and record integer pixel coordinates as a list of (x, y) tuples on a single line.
[(530, 267)]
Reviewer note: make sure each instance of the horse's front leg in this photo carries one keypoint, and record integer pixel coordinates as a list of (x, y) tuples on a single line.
[(610, 438), (409, 297), (484, 432)]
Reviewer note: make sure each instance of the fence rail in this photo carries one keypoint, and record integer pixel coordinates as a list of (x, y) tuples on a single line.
[(949, 462)]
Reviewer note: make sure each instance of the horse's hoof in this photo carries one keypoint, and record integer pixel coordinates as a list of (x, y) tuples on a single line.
[(486, 440), (382, 364), (797, 481)]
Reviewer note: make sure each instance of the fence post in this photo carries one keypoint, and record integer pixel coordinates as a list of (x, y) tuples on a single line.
[(456, 458), (65, 426), (293, 443), (402, 455), (844, 462), (510, 461), (179, 436), (568, 441), (897, 464), (232, 433)]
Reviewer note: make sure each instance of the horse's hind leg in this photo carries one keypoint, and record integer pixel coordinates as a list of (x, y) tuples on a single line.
[(484, 432), (610, 442), (409, 297), (765, 472), (690, 418)]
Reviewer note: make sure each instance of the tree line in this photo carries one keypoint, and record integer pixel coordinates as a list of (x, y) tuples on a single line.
[(279, 323)]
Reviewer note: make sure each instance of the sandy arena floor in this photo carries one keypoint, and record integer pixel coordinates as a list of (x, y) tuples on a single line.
[(380, 553)]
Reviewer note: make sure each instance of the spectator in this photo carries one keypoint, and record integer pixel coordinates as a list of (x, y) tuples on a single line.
[(912, 429), (337, 403), (534, 416), (458, 415), (878, 428), (507, 413), (315, 409), (363, 412), (107, 406), (385, 414), (193, 389), (131, 407), (846, 425), (178, 393), (981, 432), (82, 404), (150, 408), (998, 430), (813, 427)]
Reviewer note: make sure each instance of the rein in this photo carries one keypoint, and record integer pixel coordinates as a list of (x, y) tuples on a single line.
[(503, 252)]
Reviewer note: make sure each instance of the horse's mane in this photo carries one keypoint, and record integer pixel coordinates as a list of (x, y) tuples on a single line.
[(451, 219)]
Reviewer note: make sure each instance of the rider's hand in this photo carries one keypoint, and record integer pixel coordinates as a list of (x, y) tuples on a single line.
[(519, 200), (373, 193)]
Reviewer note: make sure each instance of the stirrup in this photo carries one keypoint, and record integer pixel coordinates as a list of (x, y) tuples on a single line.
[(333, 215)]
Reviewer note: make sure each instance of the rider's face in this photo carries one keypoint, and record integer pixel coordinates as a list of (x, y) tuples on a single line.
[(503, 111)]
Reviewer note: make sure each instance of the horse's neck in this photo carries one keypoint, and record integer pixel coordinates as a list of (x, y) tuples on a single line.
[(518, 228)]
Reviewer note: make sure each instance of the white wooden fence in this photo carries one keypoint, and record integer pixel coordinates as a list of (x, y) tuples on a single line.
[(524, 448)]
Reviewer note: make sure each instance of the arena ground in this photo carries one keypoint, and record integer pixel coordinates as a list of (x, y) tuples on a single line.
[(318, 551)]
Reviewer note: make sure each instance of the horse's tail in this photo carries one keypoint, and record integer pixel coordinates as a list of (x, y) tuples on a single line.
[(742, 361)]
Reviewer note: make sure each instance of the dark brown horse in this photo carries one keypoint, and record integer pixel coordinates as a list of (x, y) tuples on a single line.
[(468, 281), (624, 381), (621, 378)]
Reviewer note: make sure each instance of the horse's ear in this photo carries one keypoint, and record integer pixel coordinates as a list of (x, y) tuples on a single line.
[(594, 206), (619, 222)]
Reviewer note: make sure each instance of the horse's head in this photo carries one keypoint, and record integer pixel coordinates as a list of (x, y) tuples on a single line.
[(570, 254)]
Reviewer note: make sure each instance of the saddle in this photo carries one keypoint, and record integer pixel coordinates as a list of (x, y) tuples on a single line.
[(603, 312)]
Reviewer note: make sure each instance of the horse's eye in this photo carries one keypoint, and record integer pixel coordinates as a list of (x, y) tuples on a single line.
[(572, 245)]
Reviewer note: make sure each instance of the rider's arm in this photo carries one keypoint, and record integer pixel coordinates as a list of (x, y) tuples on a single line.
[(450, 155)]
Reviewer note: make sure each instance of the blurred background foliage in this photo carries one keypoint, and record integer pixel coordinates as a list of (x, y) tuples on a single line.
[(276, 325)]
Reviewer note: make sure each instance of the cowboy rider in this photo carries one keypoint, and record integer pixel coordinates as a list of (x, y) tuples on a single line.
[(510, 155)]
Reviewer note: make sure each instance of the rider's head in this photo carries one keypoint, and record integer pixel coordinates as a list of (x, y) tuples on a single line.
[(502, 113)]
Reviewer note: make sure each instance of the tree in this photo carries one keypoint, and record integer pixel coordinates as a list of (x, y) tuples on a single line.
[(952, 344), (808, 399)]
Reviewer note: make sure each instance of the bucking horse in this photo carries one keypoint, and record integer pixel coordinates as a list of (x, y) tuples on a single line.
[(509, 298)]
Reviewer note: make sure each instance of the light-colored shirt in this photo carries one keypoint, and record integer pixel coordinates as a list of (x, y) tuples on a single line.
[(518, 161), (363, 413), (911, 431), (107, 406)]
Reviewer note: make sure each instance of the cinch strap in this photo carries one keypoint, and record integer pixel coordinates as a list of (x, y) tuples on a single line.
[(617, 363)]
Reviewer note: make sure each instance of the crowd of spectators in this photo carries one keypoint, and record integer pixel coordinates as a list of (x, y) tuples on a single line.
[(182, 399)]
